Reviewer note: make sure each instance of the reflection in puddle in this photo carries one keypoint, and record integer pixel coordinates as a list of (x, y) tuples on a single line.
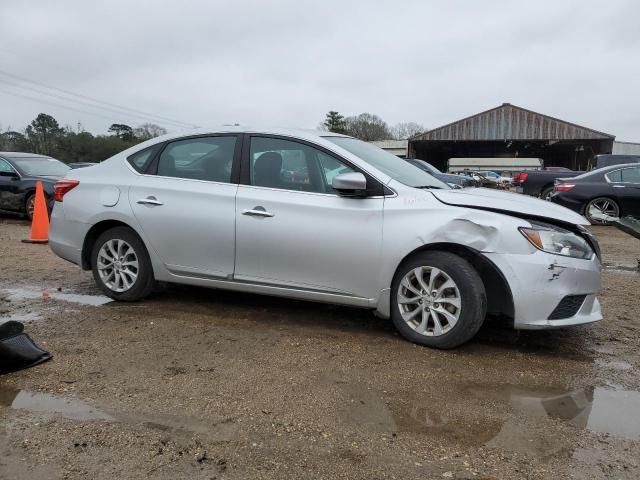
[(601, 410), (33, 293)]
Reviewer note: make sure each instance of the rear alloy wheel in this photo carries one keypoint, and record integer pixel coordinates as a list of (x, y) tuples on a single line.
[(600, 209), (121, 265), (438, 300)]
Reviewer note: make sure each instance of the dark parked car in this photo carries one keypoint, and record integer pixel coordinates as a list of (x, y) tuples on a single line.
[(19, 173), (540, 183), (450, 178), (606, 192)]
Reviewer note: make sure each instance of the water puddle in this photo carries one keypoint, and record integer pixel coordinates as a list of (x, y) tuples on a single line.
[(601, 410), (46, 404), (34, 293), (597, 409), (20, 317), (614, 364), (618, 268)]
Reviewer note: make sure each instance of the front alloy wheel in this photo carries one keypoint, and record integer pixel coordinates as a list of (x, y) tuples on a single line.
[(438, 299), (30, 206), (429, 301), (602, 211)]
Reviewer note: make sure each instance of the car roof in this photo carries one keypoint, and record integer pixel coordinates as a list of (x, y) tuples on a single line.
[(616, 166), (292, 132), (22, 155)]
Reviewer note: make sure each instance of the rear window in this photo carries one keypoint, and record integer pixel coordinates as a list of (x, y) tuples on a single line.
[(41, 166)]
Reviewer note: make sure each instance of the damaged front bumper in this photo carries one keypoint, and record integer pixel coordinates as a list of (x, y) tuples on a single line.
[(551, 291)]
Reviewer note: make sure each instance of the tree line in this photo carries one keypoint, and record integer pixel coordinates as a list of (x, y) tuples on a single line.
[(45, 136), (369, 127)]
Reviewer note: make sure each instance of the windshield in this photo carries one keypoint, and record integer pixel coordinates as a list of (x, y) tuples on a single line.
[(41, 166), (395, 167), (424, 166)]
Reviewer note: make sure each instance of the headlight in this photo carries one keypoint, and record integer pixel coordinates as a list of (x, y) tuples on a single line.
[(556, 240)]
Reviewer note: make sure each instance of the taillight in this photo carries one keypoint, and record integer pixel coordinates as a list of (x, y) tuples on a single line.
[(62, 187), (523, 177), (563, 187)]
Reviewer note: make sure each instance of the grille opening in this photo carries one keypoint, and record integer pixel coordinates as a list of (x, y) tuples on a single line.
[(567, 307)]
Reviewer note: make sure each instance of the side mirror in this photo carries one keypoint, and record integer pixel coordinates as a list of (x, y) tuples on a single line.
[(352, 184)]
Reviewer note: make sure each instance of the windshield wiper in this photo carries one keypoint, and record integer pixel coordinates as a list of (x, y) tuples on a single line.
[(428, 187)]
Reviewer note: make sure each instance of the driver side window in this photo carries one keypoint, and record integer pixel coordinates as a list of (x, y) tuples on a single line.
[(289, 165)]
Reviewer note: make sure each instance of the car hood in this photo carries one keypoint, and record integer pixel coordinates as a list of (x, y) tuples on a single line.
[(508, 202)]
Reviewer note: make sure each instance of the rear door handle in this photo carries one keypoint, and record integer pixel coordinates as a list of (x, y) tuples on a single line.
[(618, 186), (258, 212), (150, 201)]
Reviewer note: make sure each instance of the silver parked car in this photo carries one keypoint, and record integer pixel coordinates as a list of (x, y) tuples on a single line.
[(325, 217)]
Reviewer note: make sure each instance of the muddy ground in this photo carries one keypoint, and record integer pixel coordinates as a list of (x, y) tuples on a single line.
[(196, 383)]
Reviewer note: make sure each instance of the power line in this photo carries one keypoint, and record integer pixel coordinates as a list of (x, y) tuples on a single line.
[(81, 102), (92, 99), (28, 97)]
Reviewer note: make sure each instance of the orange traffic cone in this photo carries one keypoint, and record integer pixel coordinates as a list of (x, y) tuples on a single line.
[(40, 221)]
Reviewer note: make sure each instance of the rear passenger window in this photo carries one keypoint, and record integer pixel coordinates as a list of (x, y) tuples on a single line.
[(631, 175), (203, 158), (140, 160), (615, 176)]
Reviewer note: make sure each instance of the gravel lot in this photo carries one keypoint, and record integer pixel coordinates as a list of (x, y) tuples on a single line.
[(196, 383)]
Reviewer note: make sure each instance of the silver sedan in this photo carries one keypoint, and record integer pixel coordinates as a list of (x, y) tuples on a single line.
[(325, 217)]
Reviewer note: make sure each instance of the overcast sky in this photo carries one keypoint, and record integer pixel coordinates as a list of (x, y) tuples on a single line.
[(287, 62)]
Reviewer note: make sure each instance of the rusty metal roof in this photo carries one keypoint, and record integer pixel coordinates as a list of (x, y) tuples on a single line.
[(509, 122)]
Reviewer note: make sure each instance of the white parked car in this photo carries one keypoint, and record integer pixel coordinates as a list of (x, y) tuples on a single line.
[(352, 225)]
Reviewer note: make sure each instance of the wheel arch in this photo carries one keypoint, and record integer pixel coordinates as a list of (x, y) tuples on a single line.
[(92, 235), (499, 295)]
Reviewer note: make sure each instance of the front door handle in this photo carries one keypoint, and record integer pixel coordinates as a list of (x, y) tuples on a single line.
[(150, 200), (618, 186), (258, 212)]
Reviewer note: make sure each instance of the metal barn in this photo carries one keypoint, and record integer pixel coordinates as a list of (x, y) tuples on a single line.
[(511, 131)]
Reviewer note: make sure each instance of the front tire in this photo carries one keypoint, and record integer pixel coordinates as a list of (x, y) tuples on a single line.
[(121, 265), (29, 206), (438, 300), (599, 208)]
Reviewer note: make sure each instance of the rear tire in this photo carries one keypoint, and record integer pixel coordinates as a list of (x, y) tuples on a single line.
[(121, 265), (546, 193), (445, 307)]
